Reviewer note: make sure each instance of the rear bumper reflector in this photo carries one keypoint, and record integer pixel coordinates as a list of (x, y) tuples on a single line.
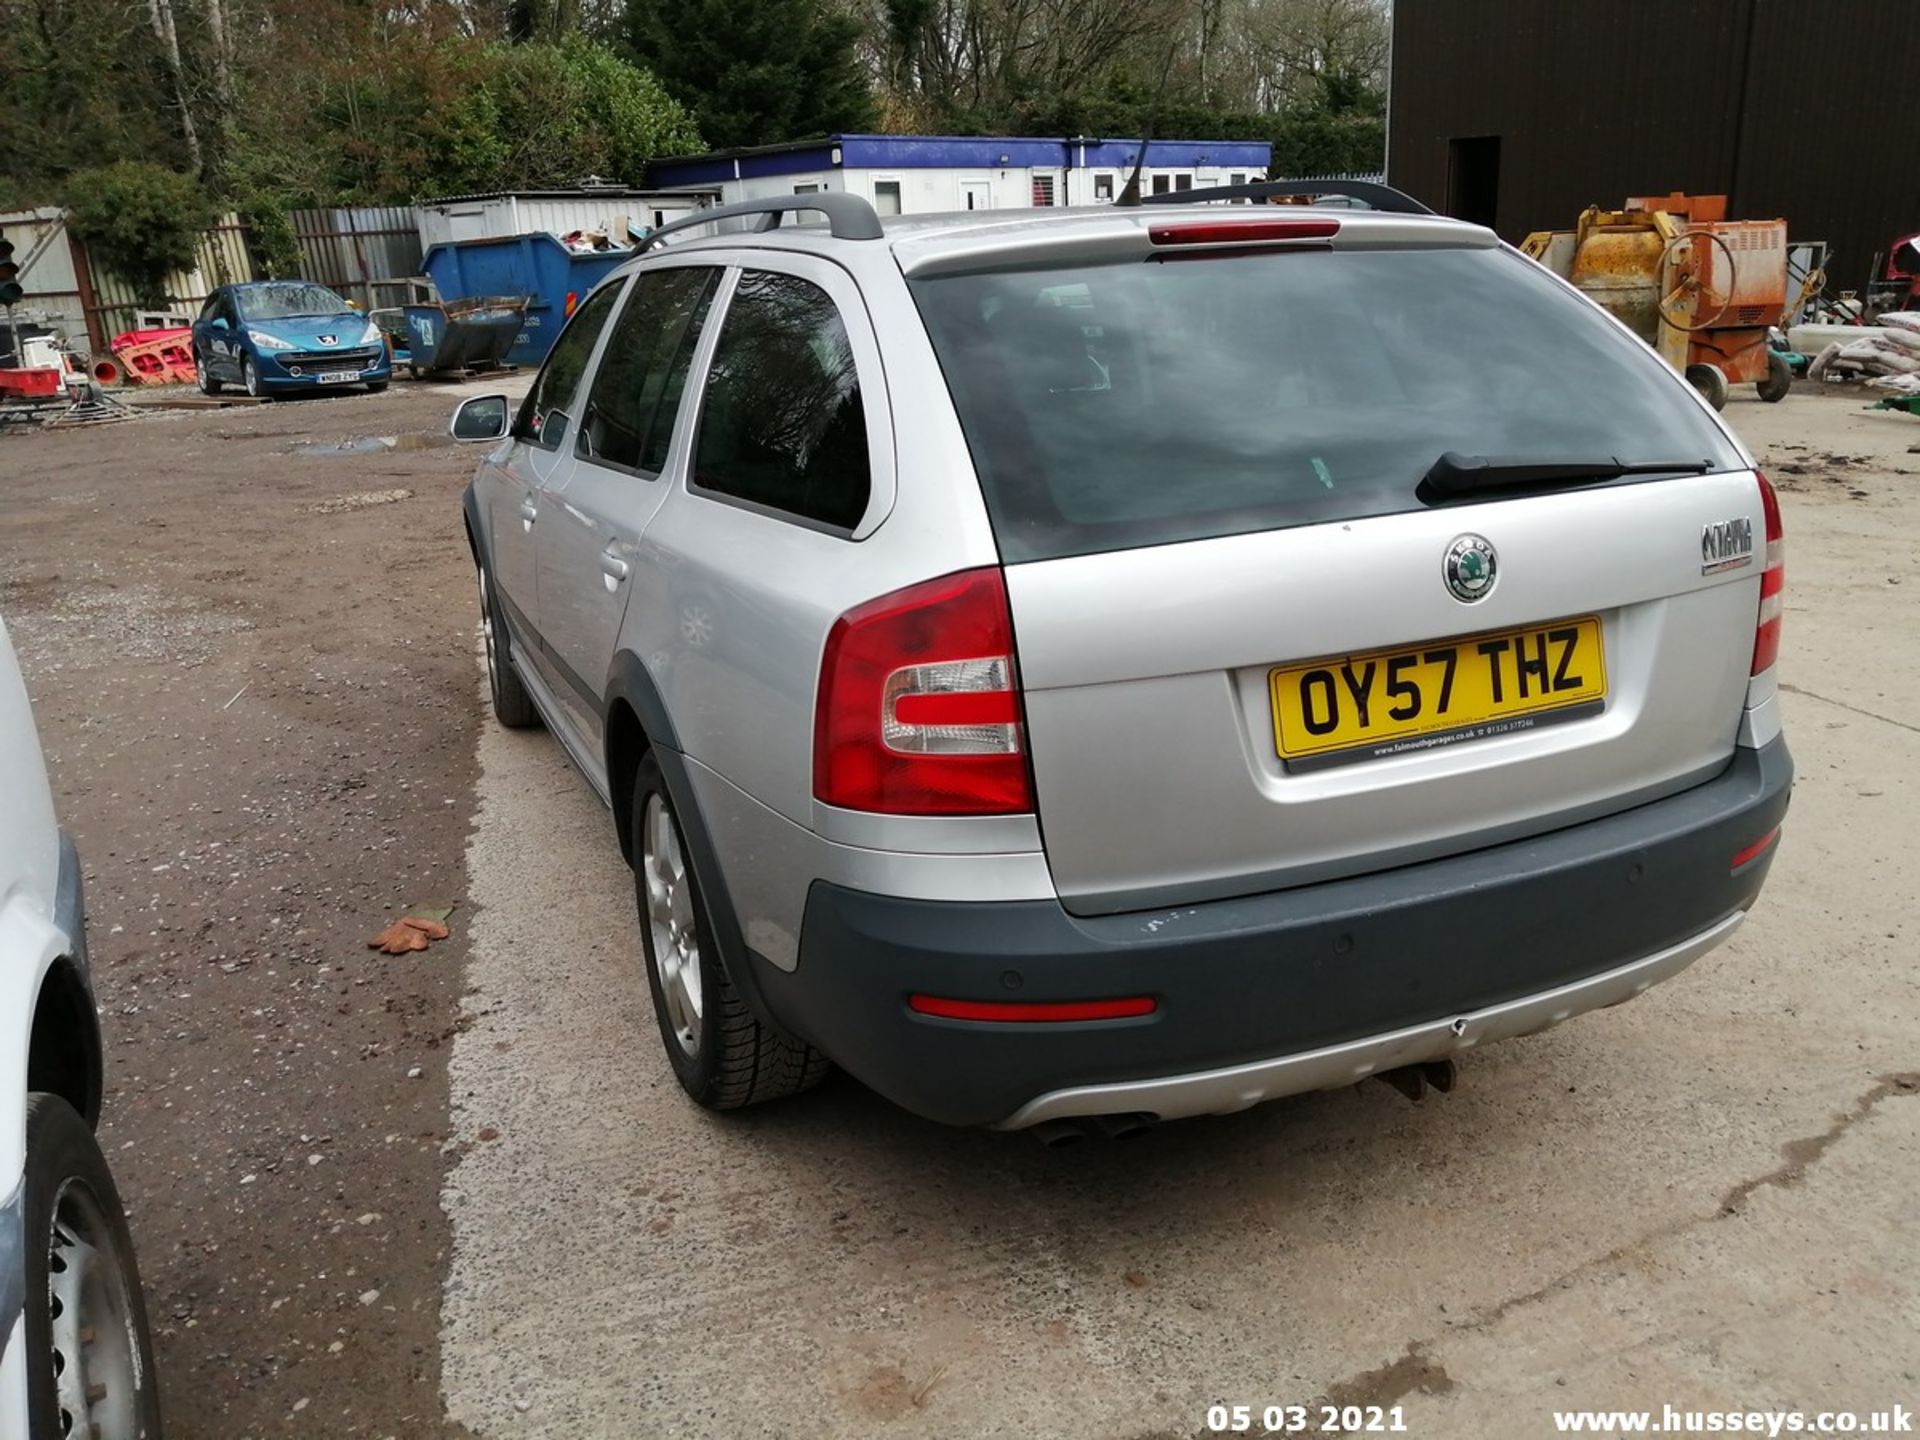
[(1055, 1012), (1755, 850)]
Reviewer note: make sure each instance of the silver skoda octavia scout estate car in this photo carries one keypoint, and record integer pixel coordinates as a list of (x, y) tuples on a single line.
[(1137, 661)]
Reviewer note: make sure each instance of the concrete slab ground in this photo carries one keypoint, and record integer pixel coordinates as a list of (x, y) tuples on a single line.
[(1705, 1198)]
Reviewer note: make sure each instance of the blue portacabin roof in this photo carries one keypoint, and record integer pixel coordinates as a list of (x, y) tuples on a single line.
[(952, 152)]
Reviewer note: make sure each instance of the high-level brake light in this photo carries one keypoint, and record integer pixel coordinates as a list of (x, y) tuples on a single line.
[(1241, 232)]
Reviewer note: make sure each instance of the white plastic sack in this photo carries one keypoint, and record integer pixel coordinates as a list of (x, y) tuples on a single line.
[(1898, 384), (1883, 357), (1908, 320)]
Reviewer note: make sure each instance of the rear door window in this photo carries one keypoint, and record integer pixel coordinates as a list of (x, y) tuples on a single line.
[(781, 423), (1144, 402), (627, 420), (542, 419)]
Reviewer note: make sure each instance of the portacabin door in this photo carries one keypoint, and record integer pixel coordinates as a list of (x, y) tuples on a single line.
[(591, 523)]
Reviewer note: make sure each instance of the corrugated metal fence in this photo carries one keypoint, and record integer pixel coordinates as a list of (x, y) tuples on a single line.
[(68, 287), (221, 258), (367, 253)]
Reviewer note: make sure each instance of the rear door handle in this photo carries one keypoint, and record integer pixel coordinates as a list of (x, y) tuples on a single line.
[(615, 567), (529, 512)]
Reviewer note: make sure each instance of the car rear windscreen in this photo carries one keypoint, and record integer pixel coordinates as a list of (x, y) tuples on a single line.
[(1138, 402)]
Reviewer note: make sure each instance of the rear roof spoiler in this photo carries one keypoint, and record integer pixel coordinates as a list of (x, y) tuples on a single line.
[(849, 217), (1381, 197)]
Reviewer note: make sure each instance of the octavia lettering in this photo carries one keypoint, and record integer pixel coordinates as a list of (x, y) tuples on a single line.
[(1726, 545)]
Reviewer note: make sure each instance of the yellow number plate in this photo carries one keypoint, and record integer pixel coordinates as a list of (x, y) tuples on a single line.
[(1396, 702)]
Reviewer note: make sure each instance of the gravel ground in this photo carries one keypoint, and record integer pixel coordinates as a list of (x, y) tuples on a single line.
[(253, 671), (1703, 1197), (249, 638)]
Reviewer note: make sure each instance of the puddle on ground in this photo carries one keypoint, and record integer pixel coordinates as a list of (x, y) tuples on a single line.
[(376, 445)]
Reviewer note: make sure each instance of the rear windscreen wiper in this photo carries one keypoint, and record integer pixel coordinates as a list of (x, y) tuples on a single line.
[(1454, 474)]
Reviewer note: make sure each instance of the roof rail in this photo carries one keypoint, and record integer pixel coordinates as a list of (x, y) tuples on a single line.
[(1380, 197), (849, 217)]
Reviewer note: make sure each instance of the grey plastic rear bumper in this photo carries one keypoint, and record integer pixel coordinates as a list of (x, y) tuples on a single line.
[(1215, 1092), (1278, 993)]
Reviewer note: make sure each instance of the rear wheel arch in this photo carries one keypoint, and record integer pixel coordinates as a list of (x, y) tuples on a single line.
[(64, 1051), (638, 725)]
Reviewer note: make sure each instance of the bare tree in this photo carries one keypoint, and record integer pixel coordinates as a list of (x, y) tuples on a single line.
[(161, 12), (1294, 47), (985, 54)]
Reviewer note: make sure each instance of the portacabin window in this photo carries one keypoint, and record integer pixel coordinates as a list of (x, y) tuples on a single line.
[(886, 197), (627, 421), (781, 423), (553, 388)]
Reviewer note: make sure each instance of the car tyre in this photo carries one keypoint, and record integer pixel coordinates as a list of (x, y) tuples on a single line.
[(723, 1055), (1711, 382), (90, 1364), (513, 707), (250, 376), (1779, 379), (208, 385)]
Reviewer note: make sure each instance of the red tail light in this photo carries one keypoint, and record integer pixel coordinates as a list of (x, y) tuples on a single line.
[(919, 711), (1766, 634)]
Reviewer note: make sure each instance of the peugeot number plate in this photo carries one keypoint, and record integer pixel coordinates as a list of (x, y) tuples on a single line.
[(1398, 702), (339, 377)]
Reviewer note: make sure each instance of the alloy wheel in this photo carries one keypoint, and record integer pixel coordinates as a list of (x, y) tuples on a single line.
[(486, 633), (676, 945)]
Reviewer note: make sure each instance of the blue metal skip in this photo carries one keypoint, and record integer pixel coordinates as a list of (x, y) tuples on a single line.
[(537, 266)]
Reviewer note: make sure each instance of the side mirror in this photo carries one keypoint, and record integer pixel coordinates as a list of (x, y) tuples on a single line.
[(484, 417)]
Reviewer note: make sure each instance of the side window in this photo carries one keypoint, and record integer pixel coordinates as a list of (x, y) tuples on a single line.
[(782, 424), (628, 417), (208, 310), (560, 376)]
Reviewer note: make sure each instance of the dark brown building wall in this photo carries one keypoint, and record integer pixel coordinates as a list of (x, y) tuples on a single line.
[(1798, 108)]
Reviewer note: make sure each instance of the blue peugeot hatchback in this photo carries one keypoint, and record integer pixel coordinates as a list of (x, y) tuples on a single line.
[(275, 336)]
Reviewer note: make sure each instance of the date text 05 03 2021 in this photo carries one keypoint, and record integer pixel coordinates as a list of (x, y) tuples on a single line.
[(1307, 1419)]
